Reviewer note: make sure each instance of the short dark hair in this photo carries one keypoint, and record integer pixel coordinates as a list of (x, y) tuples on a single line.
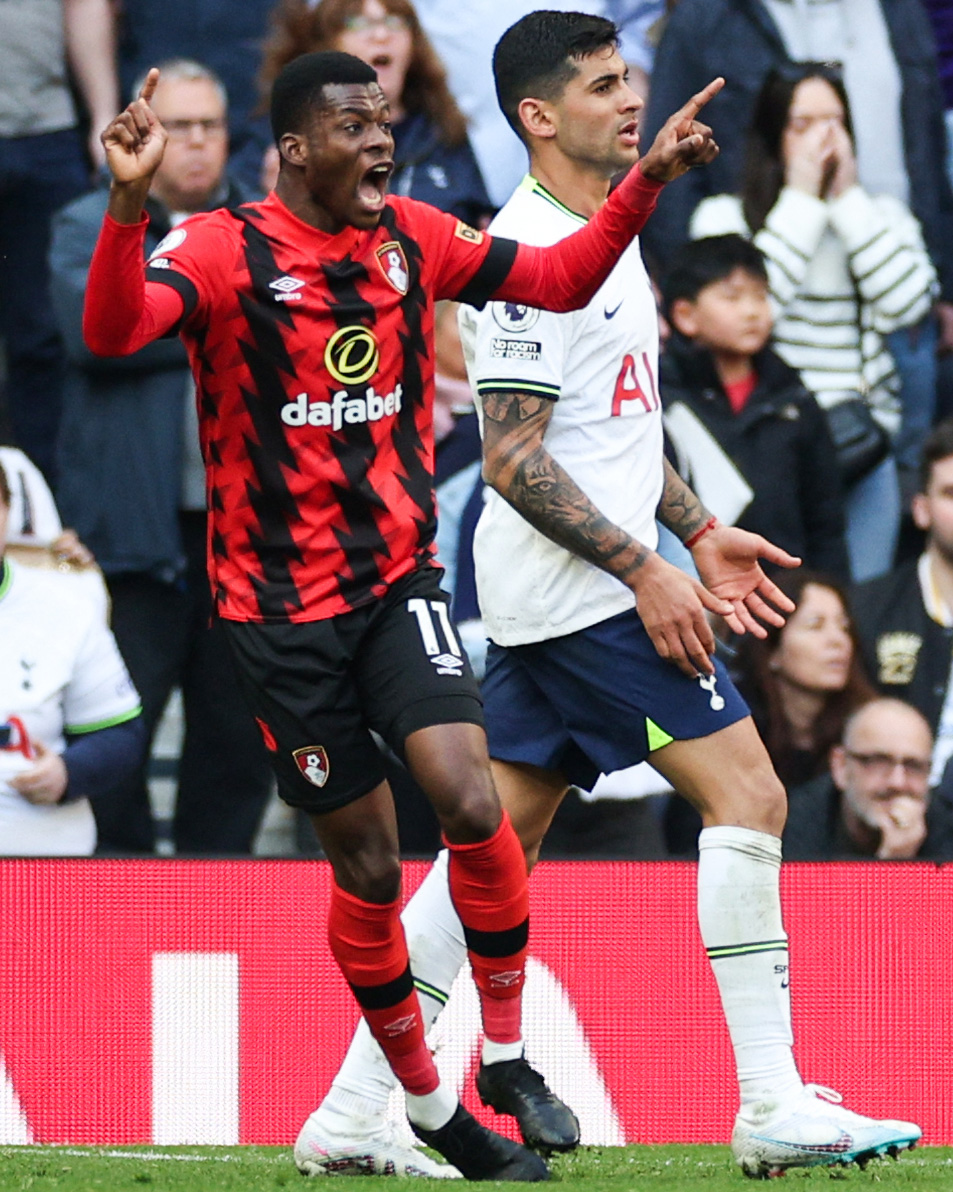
[(937, 445), (299, 88), (701, 263), (5, 497), (536, 57)]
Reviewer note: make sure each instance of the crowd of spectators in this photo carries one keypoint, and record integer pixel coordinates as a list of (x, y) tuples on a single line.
[(806, 295)]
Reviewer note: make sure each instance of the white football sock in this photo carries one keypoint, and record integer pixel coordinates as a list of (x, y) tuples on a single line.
[(437, 950), (433, 1110), (739, 914), (495, 1053)]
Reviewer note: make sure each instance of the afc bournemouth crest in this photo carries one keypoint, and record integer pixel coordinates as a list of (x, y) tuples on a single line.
[(313, 763), (394, 264)]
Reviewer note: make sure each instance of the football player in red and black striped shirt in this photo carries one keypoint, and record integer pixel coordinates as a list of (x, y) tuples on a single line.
[(309, 318)]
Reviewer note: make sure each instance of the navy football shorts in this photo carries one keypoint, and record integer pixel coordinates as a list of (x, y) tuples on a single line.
[(318, 688), (598, 700)]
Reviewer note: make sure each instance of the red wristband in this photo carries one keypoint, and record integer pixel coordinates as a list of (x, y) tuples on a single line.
[(699, 534)]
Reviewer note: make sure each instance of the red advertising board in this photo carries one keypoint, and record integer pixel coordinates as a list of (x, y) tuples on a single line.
[(131, 992)]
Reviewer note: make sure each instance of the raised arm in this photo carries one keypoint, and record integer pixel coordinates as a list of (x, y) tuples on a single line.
[(118, 319), (519, 467)]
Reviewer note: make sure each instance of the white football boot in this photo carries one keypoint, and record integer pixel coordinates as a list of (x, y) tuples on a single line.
[(812, 1131), (334, 1144)]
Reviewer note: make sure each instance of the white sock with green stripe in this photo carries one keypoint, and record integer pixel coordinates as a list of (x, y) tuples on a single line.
[(437, 950), (739, 914)]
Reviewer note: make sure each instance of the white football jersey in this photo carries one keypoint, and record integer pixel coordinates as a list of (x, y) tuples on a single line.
[(60, 671), (600, 367)]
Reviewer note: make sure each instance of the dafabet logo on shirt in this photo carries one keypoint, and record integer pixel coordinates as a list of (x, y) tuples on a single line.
[(352, 355)]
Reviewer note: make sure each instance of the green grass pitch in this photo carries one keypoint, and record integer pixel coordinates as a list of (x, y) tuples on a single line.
[(591, 1169)]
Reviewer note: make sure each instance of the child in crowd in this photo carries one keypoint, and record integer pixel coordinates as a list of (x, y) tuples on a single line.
[(748, 436)]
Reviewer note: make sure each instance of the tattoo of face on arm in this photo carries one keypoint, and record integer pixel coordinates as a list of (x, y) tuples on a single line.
[(517, 464), (679, 509)]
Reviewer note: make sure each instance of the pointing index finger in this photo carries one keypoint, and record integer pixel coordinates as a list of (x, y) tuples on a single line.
[(698, 101), (149, 86)]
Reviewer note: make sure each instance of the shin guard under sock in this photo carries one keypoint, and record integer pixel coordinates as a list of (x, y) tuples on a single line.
[(739, 913), (489, 890), (367, 941)]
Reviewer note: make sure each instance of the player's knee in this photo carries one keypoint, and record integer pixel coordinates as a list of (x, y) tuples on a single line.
[(755, 800), (471, 814), (765, 803), (372, 878)]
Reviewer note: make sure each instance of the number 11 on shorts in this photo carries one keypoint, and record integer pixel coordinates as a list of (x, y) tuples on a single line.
[(422, 610)]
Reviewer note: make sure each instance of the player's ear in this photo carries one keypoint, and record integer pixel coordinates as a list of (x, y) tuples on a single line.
[(293, 148), (536, 117)]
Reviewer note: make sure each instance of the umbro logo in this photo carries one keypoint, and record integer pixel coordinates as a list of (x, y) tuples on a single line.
[(506, 980), (287, 288), (611, 314), (447, 664), (400, 1026)]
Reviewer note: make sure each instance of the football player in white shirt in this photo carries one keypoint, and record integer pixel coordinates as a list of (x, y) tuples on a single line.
[(69, 714), (577, 680)]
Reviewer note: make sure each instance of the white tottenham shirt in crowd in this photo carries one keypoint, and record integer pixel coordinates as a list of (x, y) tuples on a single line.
[(60, 671)]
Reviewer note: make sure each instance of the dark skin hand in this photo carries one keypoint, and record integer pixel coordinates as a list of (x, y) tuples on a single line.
[(134, 143)]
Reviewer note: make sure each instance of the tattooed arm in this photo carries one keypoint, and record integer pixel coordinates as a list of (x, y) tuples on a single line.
[(679, 509), (671, 604), (518, 466), (727, 558)]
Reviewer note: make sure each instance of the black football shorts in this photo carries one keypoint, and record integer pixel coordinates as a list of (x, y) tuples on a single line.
[(318, 688)]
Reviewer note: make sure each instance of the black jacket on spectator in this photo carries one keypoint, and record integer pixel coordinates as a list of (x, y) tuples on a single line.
[(779, 443), (815, 832), (120, 446), (739, 40), (906, 652)]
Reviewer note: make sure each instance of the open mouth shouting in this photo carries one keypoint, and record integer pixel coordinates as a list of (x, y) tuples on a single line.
[(372, 186)]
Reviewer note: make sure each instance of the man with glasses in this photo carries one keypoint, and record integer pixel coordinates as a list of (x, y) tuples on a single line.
[(875, 802)]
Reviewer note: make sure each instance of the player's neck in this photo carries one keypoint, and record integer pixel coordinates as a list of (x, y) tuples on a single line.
[(580, 189), (300, 203)]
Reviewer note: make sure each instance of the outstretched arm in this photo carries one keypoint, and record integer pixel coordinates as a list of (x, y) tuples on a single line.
[(517, 464), (565, 276), (727, 558)]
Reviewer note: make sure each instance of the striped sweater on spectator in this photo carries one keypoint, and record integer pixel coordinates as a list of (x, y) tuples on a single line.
[(843, 273)]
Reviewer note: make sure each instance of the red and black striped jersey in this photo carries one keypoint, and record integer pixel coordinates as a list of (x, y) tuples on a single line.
[(314, 373), (312, 356)]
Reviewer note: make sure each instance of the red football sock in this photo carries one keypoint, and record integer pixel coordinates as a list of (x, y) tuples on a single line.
[(367, 940), (489, 890)]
